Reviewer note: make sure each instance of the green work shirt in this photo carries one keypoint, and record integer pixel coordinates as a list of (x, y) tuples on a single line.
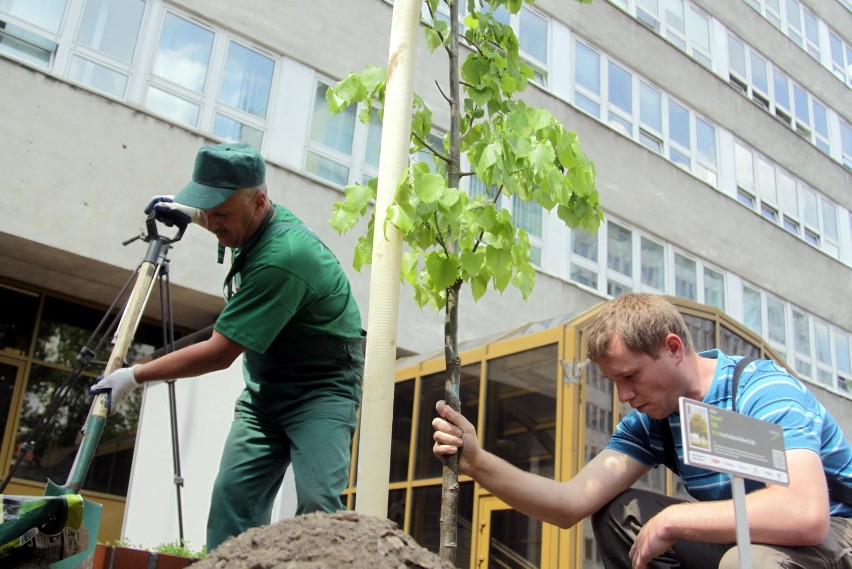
[(292, 301)]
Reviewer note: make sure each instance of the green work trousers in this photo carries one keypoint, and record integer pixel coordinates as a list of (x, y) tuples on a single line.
[(277, 426)]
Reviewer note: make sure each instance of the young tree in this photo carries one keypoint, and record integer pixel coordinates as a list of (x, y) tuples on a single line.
[(453, 238)]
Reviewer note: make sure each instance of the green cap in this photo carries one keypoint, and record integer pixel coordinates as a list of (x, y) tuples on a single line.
[(220, 170)]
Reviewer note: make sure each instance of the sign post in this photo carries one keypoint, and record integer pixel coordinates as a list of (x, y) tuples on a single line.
[(742, 446)]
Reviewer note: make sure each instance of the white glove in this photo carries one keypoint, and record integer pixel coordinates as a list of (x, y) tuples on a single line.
[(117, 385), (167, 211)]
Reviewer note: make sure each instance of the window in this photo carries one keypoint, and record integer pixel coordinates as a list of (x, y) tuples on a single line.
[(714, 288), (528, 216), (802, 343), (619, 247), (620, 95), (29, 30), (651, 117), (331, 140), (584, 246), (753, 309), (244, 92), (587, 79), (686, 280), (653, 264)]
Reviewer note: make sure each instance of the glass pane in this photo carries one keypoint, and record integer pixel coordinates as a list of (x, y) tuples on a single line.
[(584, 244), (532, 35), (332, 130), (820, 119), (650, 106), (734, 344), (515, 541), (829, 220), (686, 280), (426, 515), (246, 80), (822, 342), (801, 100), (432, 389), (702, 331), (736, 57), (674, 15), (584, 276), (521, 409), (766, 181), (111, 27), (527, 215), (619, 249), (752, 310), (403, 411), (699, 30), (27, 45), (679, 124), (18, 322), (782, 89), (587, 66), (620, 88), (172, 107), (8, 377), (801, 333), (744, 167), (326, 168), (759, 76), (809, 203), (236, 131), (183, 53), (714, 289), (776, 320), (841, 353), (396, 507), (653, 264), (789, 202), (46, 14), (705, 135), (374, 140), (97, 76)]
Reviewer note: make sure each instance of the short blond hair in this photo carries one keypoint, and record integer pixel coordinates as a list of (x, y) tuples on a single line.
[(642, 320)]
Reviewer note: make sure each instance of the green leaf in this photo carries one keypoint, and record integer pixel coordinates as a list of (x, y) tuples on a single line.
[(442, 270)]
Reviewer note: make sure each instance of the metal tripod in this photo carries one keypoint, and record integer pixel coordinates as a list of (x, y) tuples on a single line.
[(154, 266)]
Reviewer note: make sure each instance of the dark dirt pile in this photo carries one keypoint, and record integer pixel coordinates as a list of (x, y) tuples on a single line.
[(323, 541)]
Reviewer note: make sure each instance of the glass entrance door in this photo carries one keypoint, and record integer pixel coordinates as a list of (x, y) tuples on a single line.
[(507, 539)]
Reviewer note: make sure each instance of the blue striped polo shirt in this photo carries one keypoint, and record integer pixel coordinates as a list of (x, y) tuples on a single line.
[(767, 392)]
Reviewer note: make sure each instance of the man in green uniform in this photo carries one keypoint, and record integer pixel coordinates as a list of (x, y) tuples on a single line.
[(291, 312)]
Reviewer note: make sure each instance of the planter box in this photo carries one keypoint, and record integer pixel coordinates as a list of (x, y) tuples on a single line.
[(113, 557)]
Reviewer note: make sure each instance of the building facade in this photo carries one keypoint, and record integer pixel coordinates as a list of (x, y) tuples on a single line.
[(721, 132)]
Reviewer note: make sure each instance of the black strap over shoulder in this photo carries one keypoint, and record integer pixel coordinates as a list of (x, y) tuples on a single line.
[(666, 430)]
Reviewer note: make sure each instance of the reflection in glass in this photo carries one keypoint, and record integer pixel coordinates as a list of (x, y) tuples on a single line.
[(111, 27), (183, 53), (425, 520), (16, 326), (733, 344), (172, 107), (686, 280), (246, 80), (332, 130), (396, 507), (653, 264), (45, 14), (403, 411), (532, 37), (515, 540), (521, 409), (702, 331), (235, 131), (97, 76), (8, 377)]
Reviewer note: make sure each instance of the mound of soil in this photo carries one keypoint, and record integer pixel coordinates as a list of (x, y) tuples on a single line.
[(323, 541)]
